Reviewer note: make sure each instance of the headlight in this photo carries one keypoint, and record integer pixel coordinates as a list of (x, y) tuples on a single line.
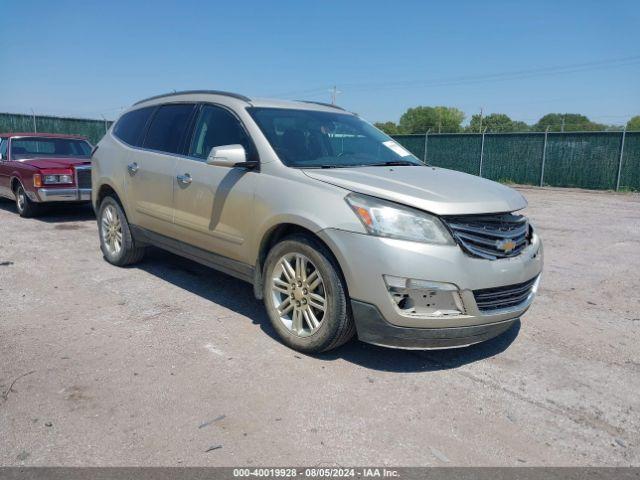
[(54, 179), (388, 219)]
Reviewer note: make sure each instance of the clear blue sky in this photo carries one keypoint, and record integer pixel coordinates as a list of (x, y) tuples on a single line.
[(92, 58)]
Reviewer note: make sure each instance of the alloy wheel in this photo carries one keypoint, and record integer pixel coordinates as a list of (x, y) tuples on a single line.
[(111, 230), (299, 295)]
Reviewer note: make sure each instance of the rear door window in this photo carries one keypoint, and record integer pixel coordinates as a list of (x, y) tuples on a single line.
[(130, 127), (168, 127)]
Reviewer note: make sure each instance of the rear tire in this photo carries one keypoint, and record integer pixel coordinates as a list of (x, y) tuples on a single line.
[(305, 296), (26, 208), (116, 242)]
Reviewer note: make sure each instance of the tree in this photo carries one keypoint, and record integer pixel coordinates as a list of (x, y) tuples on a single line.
[(496, 122), (421, 119), (569, 122), (519, 126), (634, 123), (390, 128)]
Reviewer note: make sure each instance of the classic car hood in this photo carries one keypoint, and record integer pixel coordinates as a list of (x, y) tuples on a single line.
[(436, 190), (49, 162)]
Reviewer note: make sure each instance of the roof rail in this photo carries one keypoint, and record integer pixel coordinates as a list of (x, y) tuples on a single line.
[(185, 92), (331, 105)]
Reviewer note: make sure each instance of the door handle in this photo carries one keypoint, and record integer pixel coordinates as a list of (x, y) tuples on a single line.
[(184, 179), (132, 168)]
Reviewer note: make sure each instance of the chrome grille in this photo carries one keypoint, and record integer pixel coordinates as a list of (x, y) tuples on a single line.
[(83, 177), (497, 298), (491, 236)]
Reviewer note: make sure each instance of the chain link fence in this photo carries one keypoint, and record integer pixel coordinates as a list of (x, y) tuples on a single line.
[(94, 130), (594, 160)]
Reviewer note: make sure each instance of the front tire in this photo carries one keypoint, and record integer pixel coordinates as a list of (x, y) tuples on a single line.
[(305, 296), (26, 208), (116, 242)]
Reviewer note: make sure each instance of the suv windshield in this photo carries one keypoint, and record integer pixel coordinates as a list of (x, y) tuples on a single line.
[(26, 147), (312, 139)]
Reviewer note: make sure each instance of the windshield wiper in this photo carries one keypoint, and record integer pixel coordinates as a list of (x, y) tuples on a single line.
[(395, 163), (336, 166)]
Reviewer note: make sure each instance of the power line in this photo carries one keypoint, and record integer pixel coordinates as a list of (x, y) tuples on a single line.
[(487, 78), (508, 75)]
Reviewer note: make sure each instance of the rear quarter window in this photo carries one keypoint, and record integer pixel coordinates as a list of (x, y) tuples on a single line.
[(130, 127)]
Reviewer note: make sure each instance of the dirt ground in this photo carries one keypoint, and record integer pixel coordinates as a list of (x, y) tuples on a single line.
[(171, 363)]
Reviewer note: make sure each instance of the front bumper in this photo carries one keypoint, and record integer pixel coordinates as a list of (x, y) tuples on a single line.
[(373, 328), (63, 195), (365, 259)]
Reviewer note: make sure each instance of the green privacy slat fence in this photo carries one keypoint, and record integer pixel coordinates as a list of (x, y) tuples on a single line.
[(585, 160), (92, 129), (513, 158), (630, 172), (576, 159), (457, 152)]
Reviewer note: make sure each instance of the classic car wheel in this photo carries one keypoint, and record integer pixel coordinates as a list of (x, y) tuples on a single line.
[(116, 242), (305, 296), (26, 208)]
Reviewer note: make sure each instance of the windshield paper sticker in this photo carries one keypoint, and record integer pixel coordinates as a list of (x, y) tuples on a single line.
[(397, 148)]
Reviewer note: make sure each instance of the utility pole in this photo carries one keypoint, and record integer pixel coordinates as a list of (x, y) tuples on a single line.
[(480, 120), (562, 125), (33, 116), (334, 93)]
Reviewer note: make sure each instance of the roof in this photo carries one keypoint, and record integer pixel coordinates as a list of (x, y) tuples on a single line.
[(239, 99), (41, 134), (296, 104)]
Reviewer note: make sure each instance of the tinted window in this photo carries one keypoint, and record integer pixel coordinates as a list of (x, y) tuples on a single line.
[(25, 147), (131, 125), (3, 147), (216, 127), (168, 127)]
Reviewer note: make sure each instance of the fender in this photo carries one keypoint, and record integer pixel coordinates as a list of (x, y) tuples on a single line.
[(102, 182)]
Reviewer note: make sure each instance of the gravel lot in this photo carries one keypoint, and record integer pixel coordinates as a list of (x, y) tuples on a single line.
[(171, 363)]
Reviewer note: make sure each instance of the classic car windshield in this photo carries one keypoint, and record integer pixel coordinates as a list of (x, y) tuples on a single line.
[(26, 147), (313, 139)]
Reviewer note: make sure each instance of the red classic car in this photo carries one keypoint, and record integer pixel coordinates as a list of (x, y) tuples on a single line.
[(37, 168)]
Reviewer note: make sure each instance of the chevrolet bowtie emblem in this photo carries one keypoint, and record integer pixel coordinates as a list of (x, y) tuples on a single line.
[(505, 245)]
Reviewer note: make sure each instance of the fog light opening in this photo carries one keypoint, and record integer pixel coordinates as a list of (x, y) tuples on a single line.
[(424, 298)]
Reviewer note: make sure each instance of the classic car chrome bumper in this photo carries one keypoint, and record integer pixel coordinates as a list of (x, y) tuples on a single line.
[(64, 194)]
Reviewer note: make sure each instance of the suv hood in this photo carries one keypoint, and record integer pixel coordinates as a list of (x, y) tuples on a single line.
[(435, 190), (50, 162)]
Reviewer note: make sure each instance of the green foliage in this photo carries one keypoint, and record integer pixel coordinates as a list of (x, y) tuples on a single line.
[(390, 128), (421, 119), (519, 126), (573, 122), (494, 123), (634, 123)]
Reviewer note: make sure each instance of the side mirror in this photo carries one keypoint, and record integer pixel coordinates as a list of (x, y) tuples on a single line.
[(227, 156)]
